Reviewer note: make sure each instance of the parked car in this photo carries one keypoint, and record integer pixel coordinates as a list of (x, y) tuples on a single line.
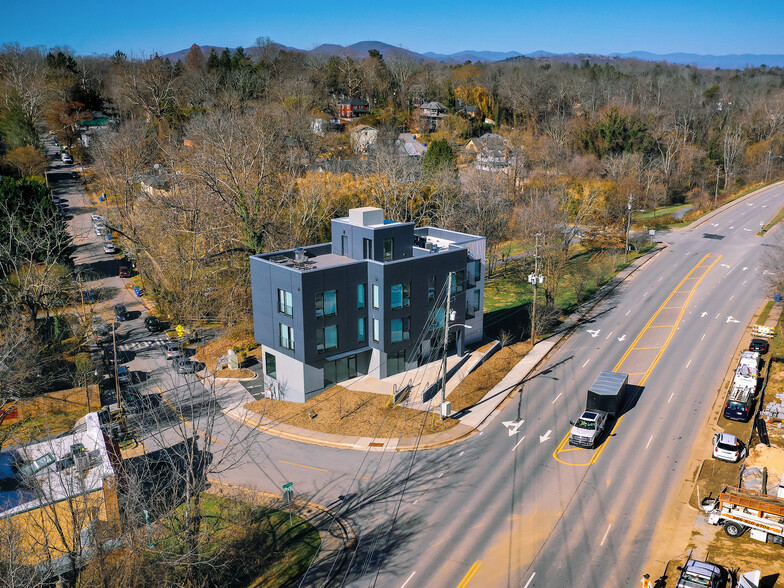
[(728, 447), (96, 218), (66, 157), (101, 329), (120, 312), (760, 345), (100, 231), (108, 356), (124, 271), (699, 574), (153, 324), (123, 375), (184, 366), (109, 248), (132, 399), (172, 350), (74, 175)]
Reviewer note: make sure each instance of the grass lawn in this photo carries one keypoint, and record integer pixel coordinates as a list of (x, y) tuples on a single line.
[(42, 425), (245, 543), (665, 210)]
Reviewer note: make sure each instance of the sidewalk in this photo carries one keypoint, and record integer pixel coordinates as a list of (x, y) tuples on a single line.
[(471, 420)]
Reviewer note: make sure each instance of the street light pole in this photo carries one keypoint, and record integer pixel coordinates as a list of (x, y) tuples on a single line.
[(446, 339), (534, 279), (628, 226)]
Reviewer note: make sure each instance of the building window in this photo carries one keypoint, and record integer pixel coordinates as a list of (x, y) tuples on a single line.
[(431, 288), (376, 330), (376, 297), (269, 365), (367, 249), (361, 336), (477, 269), (285, 304), (400, 329), (396, 362), (286, 336), (389, 248), (401, 295), (458, 281), (438, 319), (326, 303), (327, 338), (360, 295), (476, 300), (340, 370)]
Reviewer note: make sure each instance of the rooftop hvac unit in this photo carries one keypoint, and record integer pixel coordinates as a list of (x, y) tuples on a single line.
[(299, 255)]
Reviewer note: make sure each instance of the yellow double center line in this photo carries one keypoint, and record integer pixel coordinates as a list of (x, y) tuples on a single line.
[(467, 578), (693, 278)]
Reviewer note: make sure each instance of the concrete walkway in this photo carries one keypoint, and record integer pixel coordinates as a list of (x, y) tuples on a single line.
[(233, 396)]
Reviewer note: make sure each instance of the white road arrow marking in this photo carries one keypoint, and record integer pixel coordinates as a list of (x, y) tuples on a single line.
[(704, 314), (732, 227), (622, 338), (749, 230), (714, 224), (594, 333), (545, 437), (724, 265), (749, 204), (744, 269), (730, 319), (513, 426)]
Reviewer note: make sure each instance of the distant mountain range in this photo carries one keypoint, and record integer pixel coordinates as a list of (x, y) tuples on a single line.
[(360, 51)]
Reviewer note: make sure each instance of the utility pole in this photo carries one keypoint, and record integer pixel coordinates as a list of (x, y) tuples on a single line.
[(535, 279), (716, 193), (446, 339), (767, 165), (628, 226), (116, 378)]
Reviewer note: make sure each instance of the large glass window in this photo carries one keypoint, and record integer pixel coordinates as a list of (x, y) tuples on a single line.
[(286, 336), (376, 297), (327, 338), (458, 281), (400, 329), (389, 248), (326, 303), (431, 288), (285, 304), (476, 300), (367, 249), (438, 319), (361, 335), (376, 330), (396, 362), (270, 366), (340, 370), (400, 295), (477, 269), (360, 295)]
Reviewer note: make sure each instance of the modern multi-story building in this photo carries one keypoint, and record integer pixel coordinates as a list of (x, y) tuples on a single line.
[(373, 301)]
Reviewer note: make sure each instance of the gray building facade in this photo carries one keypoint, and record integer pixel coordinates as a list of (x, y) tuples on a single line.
[(371, 302)]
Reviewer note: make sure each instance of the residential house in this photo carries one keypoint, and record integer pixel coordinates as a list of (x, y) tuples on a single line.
[(352, 108), (492, 152), (57, 497), (430, 115), (467, 110), (372, 301), (408, 145), (362, 138)]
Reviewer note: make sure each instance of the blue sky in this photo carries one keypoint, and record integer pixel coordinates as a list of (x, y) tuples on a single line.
[(142, 27)]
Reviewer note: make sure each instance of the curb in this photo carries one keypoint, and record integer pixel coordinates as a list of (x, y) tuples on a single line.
[(699, 222)]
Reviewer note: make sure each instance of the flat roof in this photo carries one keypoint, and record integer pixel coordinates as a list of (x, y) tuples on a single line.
[(59, 480)]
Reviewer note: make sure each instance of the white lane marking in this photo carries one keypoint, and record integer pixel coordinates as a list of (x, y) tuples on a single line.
[(649, 442), (461, 454), (556, 398), (607, 532), (608, 335), (755, 269), (528, 583), (718, 315), (670, 398), (688, 364), (441, 474), (644, 295), (744, 282), (628, 311), (409, 579), (586, 362), (731, 297), (518, 443), (676, 265)]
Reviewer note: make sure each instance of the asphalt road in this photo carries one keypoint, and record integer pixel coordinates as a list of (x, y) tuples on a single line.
[(504, 508)]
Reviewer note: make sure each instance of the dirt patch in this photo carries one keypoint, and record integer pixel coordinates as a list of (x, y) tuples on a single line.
[(340, 411), (240, 338), (714, 476), (479, 382), (240, 373)]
